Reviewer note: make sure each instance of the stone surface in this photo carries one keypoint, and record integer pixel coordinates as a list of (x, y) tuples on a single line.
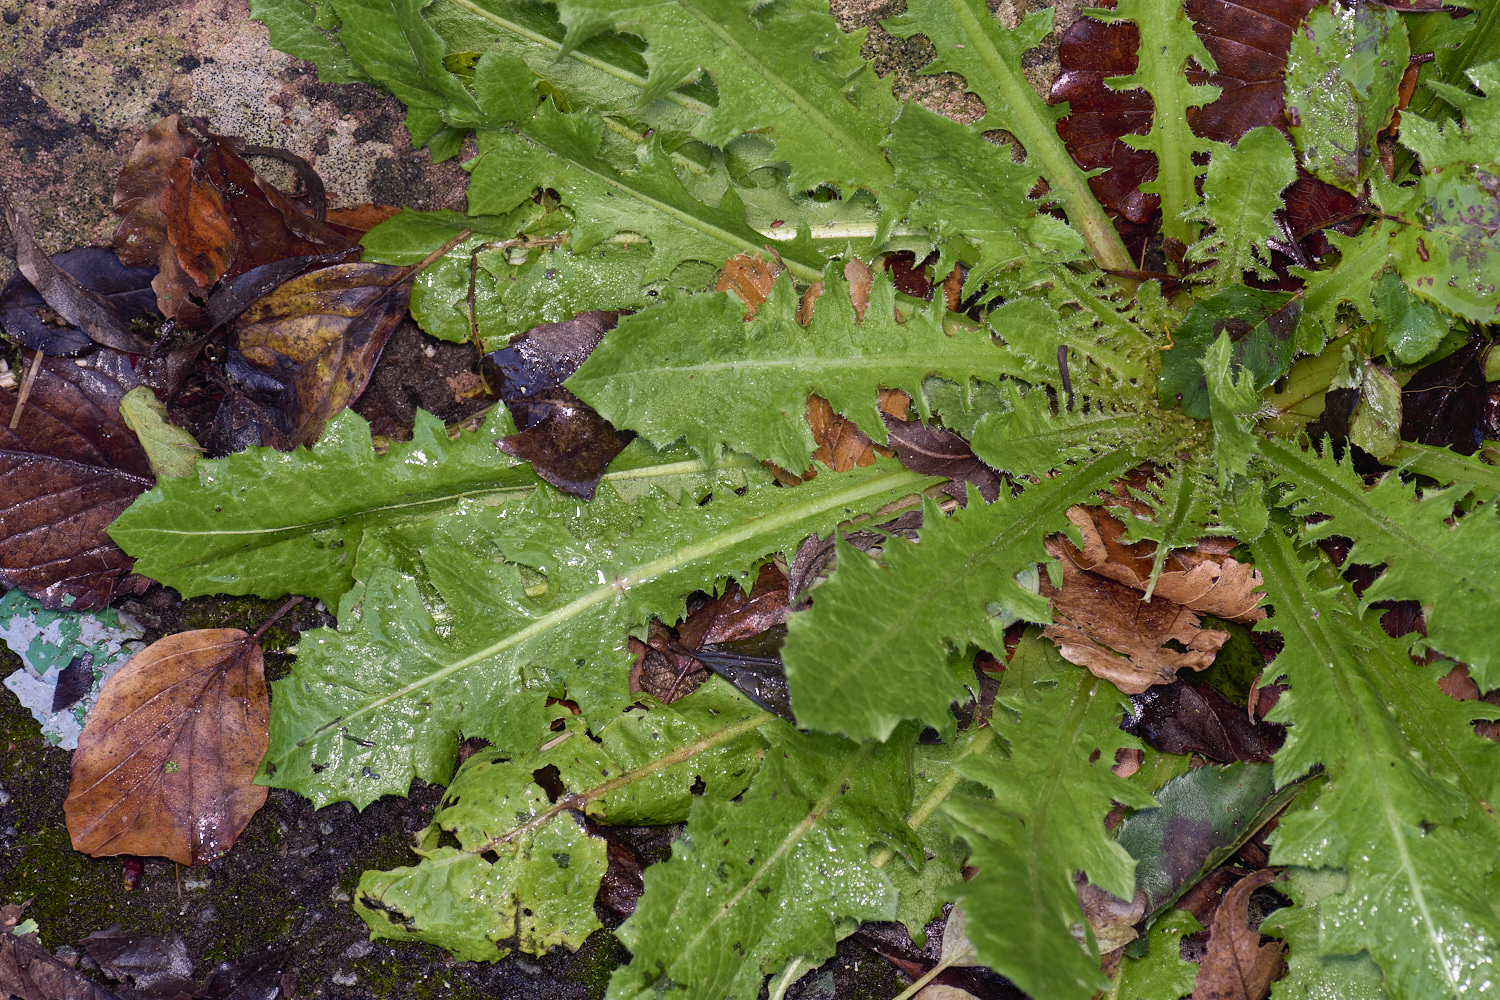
[(80, 80)]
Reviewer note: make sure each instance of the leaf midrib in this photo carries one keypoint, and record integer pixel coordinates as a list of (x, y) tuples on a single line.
[(888, 481)]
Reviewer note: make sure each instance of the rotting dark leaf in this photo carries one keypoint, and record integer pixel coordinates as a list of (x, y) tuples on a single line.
[(268, 974), (24, 312), (66, 472), (239, 293), (84, 308), (564, 439), (157, 965), (753, 665), (74, 682), (166, 764), (319, 336), (1188, 717), (624, 879), (929, 449), (1444, 403), (815, 556), (31, 972)]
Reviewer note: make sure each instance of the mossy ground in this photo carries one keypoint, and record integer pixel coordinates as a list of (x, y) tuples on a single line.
[(291, 875)]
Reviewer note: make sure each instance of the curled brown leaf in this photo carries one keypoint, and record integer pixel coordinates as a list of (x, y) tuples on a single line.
[(1236, 965), (1106, 627), (166, 763)]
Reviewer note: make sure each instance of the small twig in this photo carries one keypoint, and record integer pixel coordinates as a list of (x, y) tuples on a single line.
[(289, 605), (25, 394)]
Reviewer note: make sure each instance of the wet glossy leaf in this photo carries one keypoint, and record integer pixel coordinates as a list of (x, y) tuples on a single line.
[(1343, 73), (166, 765), (525, 869), (1044, 823), (319, 337), (1446, 253), (66, 472), (1162, 973), (1241, 193), (694, 368), (157, 965), (1471, 141), (950, 587), (1260, 326), (735, 901)]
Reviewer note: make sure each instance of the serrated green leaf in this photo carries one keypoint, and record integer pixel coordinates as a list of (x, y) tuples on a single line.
[(1407, 809), (1310, 975), (1181, 499), (1447, 253), (970, 41), (394, 46), (1259, 323), (1412, 329), (1241, 195), (1233, 399), (1449, 568), (461, 624), (1044, 823), (295, 30), (1448, 467), (1168, 42), (562, 152), (967, 186), (1343, 80), (1476, 139), (873, 649), (782, 872), (538, 891), (694, 368), (787, 69), (271, 523), (1161, 974), (1352, 280), (1028, 439), (1089, 327)]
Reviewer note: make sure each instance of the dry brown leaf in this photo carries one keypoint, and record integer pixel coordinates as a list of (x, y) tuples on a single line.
[(750, 278), (166, 764), (360, 219), (841, 445), (1236, 965), (1106, 627), (1204, 579), (1111, 918), (861, 279)]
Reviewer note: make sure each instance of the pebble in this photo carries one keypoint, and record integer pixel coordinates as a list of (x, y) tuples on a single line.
[(345, 978), (358, 949)]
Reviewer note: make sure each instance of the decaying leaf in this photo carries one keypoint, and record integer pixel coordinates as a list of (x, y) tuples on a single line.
[(31, 972), (564, 439), (201, 214), (84, 308), (1237, 966), (1106, 627), (1194, 718), (28, 318), (1204, 579), (66, 472), (1444, 403), (751, 278), (925, 447), (318, 337), (157, 966), (166, 765)]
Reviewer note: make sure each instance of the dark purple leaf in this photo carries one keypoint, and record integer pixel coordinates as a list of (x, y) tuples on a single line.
[(98, 270), (563, 438), (1194, 718), (1444, 403), (157, 965), (933, 451), (88, 310)]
